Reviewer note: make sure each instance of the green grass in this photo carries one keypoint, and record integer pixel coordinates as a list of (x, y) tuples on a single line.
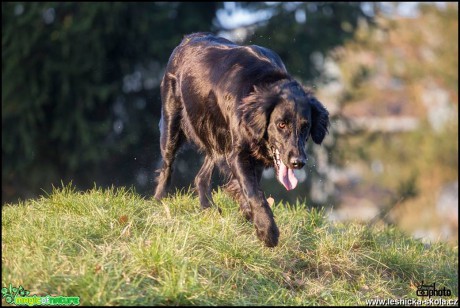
[(113, 247)]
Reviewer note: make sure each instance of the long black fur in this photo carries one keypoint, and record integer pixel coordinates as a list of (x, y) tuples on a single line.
[(229, 100)]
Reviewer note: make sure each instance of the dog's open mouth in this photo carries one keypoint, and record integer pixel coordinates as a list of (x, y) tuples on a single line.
[(284, 174)]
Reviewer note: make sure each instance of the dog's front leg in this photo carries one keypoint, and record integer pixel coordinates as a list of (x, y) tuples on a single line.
[(243, 169)]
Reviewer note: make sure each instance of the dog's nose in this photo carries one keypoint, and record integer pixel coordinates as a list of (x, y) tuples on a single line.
[(297, 162)]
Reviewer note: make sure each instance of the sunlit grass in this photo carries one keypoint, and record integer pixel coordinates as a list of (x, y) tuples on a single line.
[(112, 247)]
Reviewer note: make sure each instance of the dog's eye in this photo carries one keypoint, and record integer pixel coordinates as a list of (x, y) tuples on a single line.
[(282, 125)]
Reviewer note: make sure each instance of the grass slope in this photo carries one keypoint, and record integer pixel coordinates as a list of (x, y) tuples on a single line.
[(112, 247)]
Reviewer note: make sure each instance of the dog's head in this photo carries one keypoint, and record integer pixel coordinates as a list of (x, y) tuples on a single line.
[(285, 116)]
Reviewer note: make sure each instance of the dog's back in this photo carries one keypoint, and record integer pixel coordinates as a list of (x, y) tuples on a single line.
[(223, 63), (209, 76)]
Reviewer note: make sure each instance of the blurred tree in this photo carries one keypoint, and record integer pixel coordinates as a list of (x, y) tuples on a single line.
[(80, 96), (397, 75)]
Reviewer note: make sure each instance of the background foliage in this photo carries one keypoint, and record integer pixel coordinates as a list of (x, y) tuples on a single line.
[(80, 88), (408, 81)]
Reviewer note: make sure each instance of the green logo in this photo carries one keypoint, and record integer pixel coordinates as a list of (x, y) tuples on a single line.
[(20, 296)]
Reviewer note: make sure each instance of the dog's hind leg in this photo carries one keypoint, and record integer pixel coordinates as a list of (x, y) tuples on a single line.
[(203, 182), (171, 134)]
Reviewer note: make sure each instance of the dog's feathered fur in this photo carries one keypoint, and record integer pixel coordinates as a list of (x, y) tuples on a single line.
[(242, 109)]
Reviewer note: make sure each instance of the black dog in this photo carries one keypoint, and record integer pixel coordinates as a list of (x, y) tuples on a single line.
[(240, 107)]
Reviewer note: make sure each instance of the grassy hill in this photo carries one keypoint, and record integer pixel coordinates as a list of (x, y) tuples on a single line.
[(112, 247)]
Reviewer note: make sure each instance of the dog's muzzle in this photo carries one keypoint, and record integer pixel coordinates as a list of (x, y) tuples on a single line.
[(284, 174)]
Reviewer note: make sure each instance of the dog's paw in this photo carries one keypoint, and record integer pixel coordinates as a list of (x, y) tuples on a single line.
[(266, 228), (269, 236), (267, 231)]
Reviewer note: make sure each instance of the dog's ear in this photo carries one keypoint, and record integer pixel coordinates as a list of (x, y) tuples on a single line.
[(319, 119), (255, 110)]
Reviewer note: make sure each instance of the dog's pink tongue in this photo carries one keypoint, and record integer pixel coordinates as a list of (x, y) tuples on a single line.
[(287, 177)]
